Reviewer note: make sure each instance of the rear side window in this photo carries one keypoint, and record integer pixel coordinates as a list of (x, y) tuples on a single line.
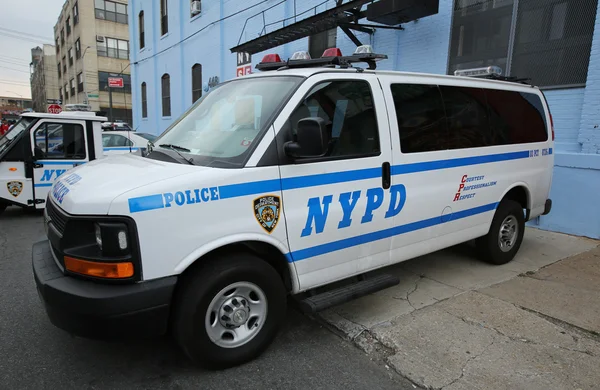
[(347, 108), (434, 118), (516, 117), (421, 119)]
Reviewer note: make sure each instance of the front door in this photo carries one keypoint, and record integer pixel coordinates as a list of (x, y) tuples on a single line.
[(57, 147), (338, 207)]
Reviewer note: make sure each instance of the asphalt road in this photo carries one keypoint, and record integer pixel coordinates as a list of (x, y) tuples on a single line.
[(35, 354)]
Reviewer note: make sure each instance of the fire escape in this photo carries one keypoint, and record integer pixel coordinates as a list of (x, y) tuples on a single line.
[(389, 14)]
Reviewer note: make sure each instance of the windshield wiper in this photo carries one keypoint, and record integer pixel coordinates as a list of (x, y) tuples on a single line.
[(176, 149)]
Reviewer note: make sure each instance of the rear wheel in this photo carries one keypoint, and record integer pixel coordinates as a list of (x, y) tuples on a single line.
[(229, 310), (504, 239)]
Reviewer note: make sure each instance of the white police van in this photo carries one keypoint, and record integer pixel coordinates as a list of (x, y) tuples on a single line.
[(285, 181), (39, 148)]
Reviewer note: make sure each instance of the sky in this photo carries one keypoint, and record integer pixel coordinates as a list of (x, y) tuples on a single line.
[(24, 24)]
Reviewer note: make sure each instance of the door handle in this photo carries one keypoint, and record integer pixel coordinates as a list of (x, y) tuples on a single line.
[(386, 175), (37, 165)]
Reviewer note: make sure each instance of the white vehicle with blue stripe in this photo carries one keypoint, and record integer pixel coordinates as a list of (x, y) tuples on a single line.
[(39, 148), (124, 141), (283, 182)]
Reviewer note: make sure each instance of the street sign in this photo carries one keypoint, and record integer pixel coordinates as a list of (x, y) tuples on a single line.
[(54, 101), (244, 64), (93, 95), (54, 109), (115, 82)]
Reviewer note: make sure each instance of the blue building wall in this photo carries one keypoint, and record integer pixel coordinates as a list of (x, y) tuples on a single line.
[(422, 46)]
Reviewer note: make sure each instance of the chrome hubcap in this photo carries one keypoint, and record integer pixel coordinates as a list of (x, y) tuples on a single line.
[(236, 314), (509, 231)]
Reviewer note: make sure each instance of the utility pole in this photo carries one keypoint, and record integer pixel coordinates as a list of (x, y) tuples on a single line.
[(110, 106)]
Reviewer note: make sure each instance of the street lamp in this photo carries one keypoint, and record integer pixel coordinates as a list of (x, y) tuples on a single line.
[(85, 99)]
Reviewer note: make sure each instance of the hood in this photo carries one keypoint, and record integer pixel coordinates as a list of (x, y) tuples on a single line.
[(90, 188)]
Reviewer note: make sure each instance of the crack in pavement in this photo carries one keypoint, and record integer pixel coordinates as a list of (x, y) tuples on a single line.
[(464, 367), (517, 339)]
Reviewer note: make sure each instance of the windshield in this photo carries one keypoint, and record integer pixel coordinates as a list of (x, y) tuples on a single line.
[(223, 125), (14, 132)]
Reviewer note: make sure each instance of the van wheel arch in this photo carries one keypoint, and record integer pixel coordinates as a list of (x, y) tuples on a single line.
[(520, 194), (265, 251)]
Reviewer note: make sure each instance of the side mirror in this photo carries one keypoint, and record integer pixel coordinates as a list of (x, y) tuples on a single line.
[(312, 139)]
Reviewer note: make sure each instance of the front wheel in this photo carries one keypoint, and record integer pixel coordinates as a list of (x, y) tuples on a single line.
[(229, 310), (504, 239)]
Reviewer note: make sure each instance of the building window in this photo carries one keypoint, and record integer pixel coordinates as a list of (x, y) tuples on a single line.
[(103, 82), (80, 82), (144, 101), (57, 46), (75, 14), (166, 94), (71, 56), (72, 83), (317, 43), (195, 7), (196, 82), (164, 17), (114, 48), (111, 11), (62, 36), (68, 26), (551, 44), (59, 70), (64, 65), (77, 49), (141, 24), (60, 94), (66, 91)]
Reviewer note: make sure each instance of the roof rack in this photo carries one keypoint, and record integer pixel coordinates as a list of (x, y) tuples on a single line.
[(512, 79), (342, 61)]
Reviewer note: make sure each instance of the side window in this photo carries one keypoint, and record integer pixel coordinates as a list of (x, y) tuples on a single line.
[(421, 118), (60, 141), (467, 118), (119, 140), (347, 108), (106, 140), (516, 117)]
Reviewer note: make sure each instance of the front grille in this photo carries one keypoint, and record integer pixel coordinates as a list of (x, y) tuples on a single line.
[(58, 219)]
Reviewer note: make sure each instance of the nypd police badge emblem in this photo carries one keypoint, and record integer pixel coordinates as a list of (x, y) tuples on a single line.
[(266, 211), (14, 188)]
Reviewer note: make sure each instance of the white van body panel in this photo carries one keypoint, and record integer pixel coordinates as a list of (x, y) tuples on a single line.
[(183, 212)]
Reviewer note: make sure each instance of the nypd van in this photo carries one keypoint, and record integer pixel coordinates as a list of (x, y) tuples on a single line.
[(40, 147), (311, 172)]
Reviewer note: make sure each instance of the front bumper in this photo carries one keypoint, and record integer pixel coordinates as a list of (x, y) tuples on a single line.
[(89, 309)]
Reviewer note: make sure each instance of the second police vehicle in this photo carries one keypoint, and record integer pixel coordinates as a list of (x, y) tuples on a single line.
[(284, 181)]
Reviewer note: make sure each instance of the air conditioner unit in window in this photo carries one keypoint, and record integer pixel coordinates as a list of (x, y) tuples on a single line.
[(196, 7), (99, 38)]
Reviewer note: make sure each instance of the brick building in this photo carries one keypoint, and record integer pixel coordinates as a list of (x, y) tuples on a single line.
[(178, 51)]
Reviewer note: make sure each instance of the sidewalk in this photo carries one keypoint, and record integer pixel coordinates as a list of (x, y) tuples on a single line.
[(454, 322)]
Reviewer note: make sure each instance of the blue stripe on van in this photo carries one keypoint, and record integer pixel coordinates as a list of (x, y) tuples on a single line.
[(43, 185), (386, 233), (145, 203)]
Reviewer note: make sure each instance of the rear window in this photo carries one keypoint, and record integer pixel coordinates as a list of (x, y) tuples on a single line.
[(432, 117), (149, 137)]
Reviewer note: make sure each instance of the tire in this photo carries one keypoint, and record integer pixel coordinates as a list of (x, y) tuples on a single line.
[(208, 282), (3, 207), (498, 251)]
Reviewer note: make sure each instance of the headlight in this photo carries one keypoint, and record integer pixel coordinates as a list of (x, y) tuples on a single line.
[(122, 237), (98, 231)]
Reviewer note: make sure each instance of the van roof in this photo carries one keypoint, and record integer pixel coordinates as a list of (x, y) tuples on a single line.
[(67, 115), (309, 71)]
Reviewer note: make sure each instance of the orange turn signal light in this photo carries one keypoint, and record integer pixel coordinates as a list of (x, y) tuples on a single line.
[(99, 270), (12, 169)]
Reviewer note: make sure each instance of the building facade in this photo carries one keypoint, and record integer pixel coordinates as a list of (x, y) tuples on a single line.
[(92, 45), (179, 48), (44, 77)]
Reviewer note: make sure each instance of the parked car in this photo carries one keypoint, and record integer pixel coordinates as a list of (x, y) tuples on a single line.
[(119, 142)]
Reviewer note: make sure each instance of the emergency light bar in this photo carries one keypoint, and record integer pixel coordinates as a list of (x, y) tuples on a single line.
[(331, 57), (479, 72)]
